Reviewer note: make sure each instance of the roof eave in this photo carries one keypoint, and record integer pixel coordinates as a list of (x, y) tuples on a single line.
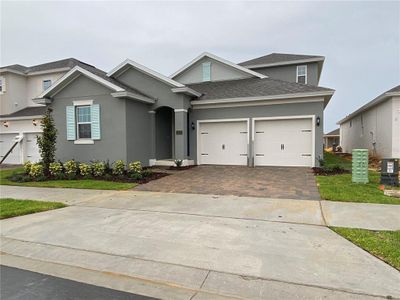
[(133, 96), (284, 63)]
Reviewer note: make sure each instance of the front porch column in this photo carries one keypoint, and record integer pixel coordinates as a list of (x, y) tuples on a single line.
[(181, 135), (152, 117)]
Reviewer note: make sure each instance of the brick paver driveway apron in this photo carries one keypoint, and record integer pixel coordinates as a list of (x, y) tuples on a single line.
[(271, 182)]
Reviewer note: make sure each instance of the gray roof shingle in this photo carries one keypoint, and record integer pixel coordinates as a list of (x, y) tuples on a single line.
[(334, 132), (274, 58), (26, 112), (252, 87)]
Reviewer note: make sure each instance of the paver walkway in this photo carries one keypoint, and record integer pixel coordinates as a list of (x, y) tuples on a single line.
[(270, 182)]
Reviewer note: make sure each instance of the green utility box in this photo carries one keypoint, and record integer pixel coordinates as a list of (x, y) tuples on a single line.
[(360, 166)]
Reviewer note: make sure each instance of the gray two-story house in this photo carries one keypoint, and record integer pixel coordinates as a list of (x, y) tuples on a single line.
[(264, 112)]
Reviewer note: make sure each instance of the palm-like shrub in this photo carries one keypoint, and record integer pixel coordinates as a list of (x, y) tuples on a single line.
[(36, 171), (70, 167), (85, 170), (118, 168), (27, 167), (98, 168), (55, 169)]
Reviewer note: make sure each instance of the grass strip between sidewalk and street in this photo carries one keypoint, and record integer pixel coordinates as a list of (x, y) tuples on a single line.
[(75, 184), (12, 208), (382, 244)]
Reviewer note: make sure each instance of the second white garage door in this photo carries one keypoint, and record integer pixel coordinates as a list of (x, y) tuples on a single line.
[(283, 142), (223, 143)]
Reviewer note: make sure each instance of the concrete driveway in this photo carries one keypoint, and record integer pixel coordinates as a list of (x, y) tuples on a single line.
[(271, 182), (183, 249)]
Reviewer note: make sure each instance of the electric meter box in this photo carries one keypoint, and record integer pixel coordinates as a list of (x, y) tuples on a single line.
[(390, 171), (360, 166)]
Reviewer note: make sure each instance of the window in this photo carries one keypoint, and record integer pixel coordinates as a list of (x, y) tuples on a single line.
[(46, 84), (302, 74), (206, 71), (2, 85), (83, 122)]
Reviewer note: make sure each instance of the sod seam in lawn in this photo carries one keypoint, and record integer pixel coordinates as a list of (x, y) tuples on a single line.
[(382, 244), (75, 184), (12, 208)]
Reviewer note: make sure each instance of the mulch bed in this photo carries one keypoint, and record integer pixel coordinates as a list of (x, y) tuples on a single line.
[(181, 168), (153, 176), (328, 172)]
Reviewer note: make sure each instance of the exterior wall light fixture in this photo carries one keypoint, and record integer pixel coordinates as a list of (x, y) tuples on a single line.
[(318, 121), (6, 124)]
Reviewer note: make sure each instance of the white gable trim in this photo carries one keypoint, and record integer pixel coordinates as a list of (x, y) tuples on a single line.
[(186, 90), (221, 60), (84, 72), (145, 70)]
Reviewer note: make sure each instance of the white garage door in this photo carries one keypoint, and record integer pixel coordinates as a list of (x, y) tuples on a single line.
[(283, 142), (6, 141), (31, 147), (223, 143)]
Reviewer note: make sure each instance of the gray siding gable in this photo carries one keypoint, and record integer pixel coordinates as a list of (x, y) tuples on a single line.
[(219, 72), (154, 88)]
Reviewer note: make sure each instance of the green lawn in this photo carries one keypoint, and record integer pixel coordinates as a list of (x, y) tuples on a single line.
[(383, 244), (341, 188), (76, 184), (12, 208), (332, 160)]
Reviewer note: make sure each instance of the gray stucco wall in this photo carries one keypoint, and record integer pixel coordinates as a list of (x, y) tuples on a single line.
[(288, 73), (219, 71), (112, 145), (138, 137), (313, 108)]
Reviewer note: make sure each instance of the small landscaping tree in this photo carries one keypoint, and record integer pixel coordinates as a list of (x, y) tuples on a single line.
[(47, 142)]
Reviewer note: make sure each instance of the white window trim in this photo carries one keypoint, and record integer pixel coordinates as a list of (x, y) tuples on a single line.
[(43, 81), (297, 73), (3, 84), (82, 102), (83, 141)]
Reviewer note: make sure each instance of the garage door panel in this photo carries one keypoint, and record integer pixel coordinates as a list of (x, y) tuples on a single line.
[(6, 142), (31, 148), (283, 142), (223, 143)]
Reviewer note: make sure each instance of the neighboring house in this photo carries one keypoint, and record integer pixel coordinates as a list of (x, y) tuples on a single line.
[(332, 138), (375, 126), (211, 111), (19, 115)]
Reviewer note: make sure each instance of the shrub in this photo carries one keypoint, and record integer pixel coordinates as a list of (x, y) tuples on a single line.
[(147, 172), (136, 176), (85, 170), (178, 163), (27, 167), (118, 167), (36, 171), (70, 167), (55, 169), (47, 142), (135, 167), (20, 178), (98, 169)]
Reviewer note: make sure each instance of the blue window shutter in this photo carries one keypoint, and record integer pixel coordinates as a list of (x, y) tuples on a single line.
[(95, 111), (207, 71), (70, 113)]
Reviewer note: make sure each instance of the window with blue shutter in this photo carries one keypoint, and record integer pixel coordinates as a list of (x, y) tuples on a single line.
[(83, 122), (96, 122), (206, 71), (70, 113)]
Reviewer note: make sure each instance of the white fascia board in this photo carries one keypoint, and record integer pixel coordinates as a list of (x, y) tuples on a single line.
[(4, 70), (284, 63), (186, 90), (261, 98), (145, 70), (221, 60), (133, 96), (84, 72), (21, 118), (369, 105)]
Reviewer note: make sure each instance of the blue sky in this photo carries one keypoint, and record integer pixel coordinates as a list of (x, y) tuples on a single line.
[(360, 40)]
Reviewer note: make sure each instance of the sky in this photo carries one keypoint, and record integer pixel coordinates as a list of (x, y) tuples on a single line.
[(360, 40)]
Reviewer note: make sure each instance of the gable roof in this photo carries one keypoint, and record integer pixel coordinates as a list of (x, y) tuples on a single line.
[(381, 98), (219, 59), (145, 70), (67, 63), (277, 59), (335, 132), (253, 87), (100, 77)]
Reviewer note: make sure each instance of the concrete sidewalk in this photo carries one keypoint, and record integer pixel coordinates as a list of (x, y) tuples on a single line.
[(312, 212)]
